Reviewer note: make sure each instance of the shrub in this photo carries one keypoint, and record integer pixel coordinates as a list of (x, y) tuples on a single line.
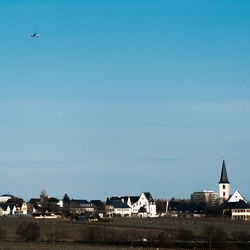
[(28, 231)]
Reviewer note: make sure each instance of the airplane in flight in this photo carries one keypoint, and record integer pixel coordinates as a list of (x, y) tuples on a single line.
[(34, 35)]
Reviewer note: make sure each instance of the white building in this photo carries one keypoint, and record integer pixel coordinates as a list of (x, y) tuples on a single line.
[(241, 214), (236, 197), (143, 205), (5, 197), (7, 209), (60, 203), (145, 201)]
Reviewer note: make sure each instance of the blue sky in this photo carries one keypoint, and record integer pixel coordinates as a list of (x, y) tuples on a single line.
[(120, 97)]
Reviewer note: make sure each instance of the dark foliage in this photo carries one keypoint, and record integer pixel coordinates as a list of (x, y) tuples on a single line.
[(44, 201), (66, 205), (161, 206), (28, 231)]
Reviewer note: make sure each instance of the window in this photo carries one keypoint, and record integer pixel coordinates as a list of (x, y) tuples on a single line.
[(224, 194), (224, 186)]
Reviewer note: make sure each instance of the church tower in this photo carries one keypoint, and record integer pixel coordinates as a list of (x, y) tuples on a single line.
[(224, 184)]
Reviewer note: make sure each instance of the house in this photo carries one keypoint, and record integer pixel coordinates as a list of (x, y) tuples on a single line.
[(19, 205), (21, 209), (7, 209), (13, 206), (185, 209), (81, 206), (242, 213), (235, 209), (235, 206), (3, 209), (34, 205), (11, 209), (239, 210), (35, 201), (31, 208), (115, 207), (99, 207), (144, 202), (130, 200), (5, 197)]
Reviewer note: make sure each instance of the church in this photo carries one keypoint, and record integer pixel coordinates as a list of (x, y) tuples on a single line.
[(236, 204), (224, 188)]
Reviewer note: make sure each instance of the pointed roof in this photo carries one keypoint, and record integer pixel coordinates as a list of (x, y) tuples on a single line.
[(237, 196), (223, 177)]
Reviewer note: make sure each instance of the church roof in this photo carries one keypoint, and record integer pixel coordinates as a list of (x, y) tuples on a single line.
[(223, 177), (237, 196), (239, 204)]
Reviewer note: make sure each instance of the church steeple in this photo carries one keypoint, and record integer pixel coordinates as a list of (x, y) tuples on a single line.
[(223, 177), (224, 184)]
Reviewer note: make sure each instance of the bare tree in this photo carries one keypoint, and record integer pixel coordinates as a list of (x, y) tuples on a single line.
[(44, 201)]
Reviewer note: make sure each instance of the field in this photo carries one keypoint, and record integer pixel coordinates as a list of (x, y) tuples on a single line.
[(124, 233)]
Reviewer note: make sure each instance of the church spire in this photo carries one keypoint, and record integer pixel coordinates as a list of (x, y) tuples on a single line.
[(224, 184), (223, 177)]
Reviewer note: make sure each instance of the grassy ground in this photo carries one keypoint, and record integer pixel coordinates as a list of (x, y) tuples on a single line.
[(58, 246), (128, 232), (174, 224)]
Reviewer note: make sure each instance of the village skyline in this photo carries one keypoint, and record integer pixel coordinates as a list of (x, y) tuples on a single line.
[(201, 204), (167, 196)]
